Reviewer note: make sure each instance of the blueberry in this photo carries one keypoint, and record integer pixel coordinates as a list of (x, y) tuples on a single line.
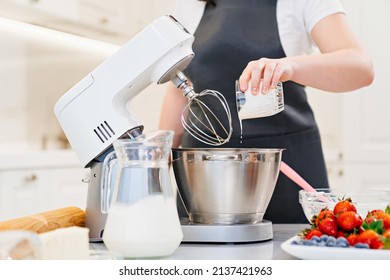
[(315, 238), (341, 238), (308, 242), (331, 239), (342, 242), (324, 237), (321, 244), (361, 245)]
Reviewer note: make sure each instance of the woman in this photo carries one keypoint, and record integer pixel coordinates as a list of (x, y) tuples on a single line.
[(271, 40)]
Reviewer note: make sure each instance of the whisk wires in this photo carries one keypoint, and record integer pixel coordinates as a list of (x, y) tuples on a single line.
[(203, 124)]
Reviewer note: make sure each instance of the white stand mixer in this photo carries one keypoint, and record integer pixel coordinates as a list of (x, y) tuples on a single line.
[(93, 114)]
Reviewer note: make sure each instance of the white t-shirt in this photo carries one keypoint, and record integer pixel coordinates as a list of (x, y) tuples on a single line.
[(296, 19)]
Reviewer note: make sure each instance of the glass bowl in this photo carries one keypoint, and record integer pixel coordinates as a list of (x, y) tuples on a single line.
[(364, 200)]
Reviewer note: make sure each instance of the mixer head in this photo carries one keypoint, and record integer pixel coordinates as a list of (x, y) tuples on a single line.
[(95, 112)]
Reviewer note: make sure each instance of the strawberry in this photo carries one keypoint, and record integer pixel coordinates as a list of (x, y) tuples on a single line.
[(371, 238), (378, 214), (385, 217), (313, 232), (374, 212), (328, 226), (351, 238), (349, 220), (341, 233), (343, 206), (324, 213)]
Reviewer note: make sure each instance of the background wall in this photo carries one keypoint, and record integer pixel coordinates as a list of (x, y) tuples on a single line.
[(38, 171), (37, 67)]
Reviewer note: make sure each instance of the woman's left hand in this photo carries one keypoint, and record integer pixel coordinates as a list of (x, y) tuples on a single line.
[(269, 71)]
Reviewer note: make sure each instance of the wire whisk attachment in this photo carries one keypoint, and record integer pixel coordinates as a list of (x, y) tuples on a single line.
[(212, 126)]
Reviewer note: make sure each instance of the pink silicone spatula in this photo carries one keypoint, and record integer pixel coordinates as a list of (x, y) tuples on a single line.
[(295, 177)]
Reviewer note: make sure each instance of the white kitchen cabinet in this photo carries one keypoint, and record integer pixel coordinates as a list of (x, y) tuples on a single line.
[(115, 21), (34, 186), (354, 126)]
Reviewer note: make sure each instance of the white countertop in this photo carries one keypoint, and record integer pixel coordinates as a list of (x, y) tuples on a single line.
[(265, 250)]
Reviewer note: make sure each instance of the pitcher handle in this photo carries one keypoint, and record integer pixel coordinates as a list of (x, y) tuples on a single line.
[(106, 186)]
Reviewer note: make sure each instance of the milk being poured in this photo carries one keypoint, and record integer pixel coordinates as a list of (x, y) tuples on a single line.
[(148, 228), (261, 105), (256, 106)]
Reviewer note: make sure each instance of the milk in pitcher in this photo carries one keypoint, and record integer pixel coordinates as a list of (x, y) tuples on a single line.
[(147, 228)]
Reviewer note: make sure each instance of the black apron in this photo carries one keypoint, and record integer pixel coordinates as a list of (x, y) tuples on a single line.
[(229, 35)]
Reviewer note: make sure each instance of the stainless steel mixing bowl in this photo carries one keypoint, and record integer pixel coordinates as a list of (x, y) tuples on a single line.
[(226, 186)]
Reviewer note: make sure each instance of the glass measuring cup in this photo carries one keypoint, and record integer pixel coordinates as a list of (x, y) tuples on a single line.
[(251, 106)]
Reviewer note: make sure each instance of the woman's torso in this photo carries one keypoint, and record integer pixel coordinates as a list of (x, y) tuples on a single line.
[(229, 35)]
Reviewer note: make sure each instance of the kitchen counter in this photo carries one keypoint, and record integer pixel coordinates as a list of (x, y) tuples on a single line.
[(266, 250)]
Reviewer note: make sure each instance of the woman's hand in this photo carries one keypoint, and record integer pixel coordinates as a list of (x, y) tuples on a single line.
[(270, 71)]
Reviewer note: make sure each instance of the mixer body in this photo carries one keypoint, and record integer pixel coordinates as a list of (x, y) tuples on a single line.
[(94, 113)]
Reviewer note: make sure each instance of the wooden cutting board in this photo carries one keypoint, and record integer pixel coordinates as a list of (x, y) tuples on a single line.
[(47, 221)]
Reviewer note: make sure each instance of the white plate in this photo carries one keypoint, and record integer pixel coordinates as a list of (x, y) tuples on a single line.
[(332, 253)]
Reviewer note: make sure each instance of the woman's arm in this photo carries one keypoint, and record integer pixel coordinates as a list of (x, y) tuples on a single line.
[(172, 108), (343, 64)]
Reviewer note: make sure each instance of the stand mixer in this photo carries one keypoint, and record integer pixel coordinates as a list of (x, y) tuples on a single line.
[(94, 113)]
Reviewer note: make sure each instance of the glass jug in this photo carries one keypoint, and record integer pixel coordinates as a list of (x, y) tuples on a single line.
[(142, 220)]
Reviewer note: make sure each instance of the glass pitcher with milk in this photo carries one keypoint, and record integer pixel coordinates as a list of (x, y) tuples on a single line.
[(142, 220)]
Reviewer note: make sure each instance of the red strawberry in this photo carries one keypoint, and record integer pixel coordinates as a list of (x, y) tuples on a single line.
[(341, 233), (351, 238), (371, 238), (324, 213), (349, 220), (385, 217), (328, 226), (313, 232), (378, 214), (374, 212), (344, 206)]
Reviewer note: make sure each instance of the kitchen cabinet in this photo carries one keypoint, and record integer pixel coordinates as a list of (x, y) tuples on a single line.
[(354, 126), (40, 186), (37, 70), (115, 21)]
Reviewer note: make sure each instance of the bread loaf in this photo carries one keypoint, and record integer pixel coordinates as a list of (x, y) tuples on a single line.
[(47, 221)]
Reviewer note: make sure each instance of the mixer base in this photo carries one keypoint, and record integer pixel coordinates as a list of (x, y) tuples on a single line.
[(217, 233)]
